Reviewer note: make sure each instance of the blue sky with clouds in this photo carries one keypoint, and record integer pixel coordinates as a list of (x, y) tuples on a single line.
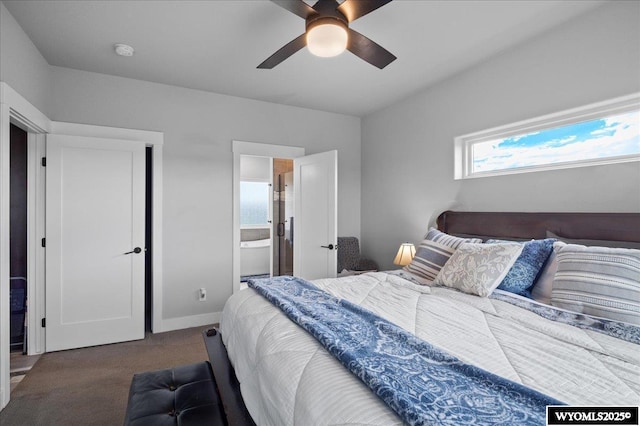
[(613, 136)]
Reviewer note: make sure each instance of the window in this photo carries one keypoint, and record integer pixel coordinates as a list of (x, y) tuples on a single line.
[(254, 204), (603, 133)]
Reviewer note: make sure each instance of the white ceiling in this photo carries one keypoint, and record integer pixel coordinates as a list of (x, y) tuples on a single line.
[(216, 45)]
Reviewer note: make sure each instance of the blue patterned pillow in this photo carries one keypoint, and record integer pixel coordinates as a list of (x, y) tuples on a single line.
[(525, 270)]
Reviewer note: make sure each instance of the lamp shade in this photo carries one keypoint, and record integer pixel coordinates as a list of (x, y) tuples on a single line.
[(405, 254), (327, 38)]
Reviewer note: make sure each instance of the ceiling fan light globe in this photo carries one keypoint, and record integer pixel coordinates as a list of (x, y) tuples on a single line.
[(327, 40)]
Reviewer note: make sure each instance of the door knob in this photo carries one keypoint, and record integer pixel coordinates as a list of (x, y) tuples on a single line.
[(135, 250), (330, 247)]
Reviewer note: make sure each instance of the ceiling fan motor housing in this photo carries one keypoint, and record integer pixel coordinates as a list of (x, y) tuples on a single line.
[(327, 17)]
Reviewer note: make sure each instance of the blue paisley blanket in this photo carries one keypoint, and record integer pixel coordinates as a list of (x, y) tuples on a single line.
[(420, 382)]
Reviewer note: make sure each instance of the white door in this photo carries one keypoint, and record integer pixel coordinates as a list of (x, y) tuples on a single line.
[(315, 228), (95, 192)]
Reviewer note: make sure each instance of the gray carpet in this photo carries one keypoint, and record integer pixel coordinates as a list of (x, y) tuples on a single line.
[(90, 386)]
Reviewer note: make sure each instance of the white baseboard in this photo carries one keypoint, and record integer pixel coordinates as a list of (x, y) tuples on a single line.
[(170, 324)]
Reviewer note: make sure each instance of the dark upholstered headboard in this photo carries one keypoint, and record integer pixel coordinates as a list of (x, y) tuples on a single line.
[(593, 226)]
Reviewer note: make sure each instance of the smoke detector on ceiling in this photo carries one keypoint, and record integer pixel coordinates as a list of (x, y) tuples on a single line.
[(124, 49)]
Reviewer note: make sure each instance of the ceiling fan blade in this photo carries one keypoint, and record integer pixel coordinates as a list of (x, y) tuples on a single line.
[(354, 9), (369, 50), (285, 51), (297, 7)]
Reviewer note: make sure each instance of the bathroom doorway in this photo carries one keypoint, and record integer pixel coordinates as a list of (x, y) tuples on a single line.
[(262, 154), (266, 217), (314, 228)]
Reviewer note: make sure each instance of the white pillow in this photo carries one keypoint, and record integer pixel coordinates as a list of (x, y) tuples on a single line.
[(478, 268), (599, 281)]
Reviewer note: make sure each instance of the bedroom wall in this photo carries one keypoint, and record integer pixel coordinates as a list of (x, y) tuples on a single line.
[(198, 129), (407, 148), (21, 64)]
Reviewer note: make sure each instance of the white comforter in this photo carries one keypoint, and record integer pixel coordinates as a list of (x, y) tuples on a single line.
[(287, 378)]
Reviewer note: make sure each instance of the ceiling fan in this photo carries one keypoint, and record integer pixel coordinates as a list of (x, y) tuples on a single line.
[(328, 33)]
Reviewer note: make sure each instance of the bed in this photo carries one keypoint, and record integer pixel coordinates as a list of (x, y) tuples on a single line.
[(536, 346)]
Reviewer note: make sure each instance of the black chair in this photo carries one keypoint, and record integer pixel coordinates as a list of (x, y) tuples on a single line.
[(349, 256)]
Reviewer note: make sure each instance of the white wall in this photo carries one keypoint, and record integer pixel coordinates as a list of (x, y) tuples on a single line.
[(198, 129), (21, 64), (407, 149)]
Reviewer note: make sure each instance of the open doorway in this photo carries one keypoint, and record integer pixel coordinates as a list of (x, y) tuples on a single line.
[(256, 212), (18, 238), (316, 217), (266, 217), (19, 363), (267, 152)]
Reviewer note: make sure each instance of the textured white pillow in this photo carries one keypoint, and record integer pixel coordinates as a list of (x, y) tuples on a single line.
[(433, 252), (478, 268)]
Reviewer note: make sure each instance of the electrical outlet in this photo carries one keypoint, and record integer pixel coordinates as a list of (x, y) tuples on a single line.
[(202, 295)]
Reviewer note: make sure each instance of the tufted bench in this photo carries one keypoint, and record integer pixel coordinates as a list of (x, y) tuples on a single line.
[(185, 396)]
